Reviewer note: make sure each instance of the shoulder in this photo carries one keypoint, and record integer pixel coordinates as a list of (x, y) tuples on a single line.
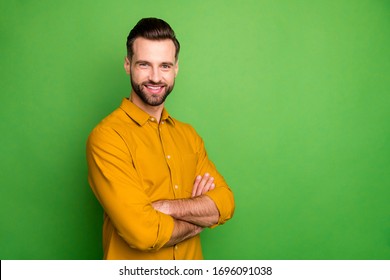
[(185, 127), (111, 128), (189, 133)]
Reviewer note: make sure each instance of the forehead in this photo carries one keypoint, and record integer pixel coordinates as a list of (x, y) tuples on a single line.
[(154, 50)]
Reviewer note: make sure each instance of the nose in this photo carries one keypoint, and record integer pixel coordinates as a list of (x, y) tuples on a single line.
[(155, 75)]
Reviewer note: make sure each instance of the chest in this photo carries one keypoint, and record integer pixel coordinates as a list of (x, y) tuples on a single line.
[(165, 159)]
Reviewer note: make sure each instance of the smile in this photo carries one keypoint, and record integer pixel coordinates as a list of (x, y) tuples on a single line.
[(155, 88)]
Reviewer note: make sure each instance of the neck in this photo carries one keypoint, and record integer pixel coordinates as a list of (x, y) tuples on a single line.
[(154, 111)]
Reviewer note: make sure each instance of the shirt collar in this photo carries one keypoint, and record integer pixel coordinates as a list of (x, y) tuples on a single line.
[(141, 117), (166, 117)]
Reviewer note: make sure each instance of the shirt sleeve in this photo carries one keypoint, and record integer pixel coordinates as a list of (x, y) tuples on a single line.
[(117, 186), (222, 195)]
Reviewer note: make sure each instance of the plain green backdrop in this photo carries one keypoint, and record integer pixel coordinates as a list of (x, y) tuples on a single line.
[(292, 99)]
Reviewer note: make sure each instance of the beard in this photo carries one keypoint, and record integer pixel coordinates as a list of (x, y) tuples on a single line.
[(151, 99)]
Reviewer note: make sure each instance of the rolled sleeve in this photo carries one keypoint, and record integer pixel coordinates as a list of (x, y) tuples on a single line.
[(116, 184), (222, 195), (224, 201)]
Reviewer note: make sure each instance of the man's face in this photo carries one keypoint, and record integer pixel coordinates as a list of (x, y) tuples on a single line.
[(152, 70)]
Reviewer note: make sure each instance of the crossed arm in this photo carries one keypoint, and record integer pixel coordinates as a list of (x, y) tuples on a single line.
[(120, 191), (190, 215)]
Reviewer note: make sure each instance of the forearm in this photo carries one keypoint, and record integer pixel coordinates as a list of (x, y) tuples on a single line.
[(182, 231), (200, 210)]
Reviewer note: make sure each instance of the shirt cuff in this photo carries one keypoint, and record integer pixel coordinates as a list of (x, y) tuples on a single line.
[(223, 199)]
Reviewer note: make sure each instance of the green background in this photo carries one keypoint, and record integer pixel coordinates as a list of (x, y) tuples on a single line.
[(292, 99)]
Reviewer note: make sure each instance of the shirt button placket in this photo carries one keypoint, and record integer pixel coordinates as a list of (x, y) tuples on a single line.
[(168, 157)]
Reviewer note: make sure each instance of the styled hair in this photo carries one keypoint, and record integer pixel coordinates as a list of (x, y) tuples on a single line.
[(151, 29)]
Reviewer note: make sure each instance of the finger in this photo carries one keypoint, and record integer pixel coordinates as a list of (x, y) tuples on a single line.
[(202, 183), (207, 187), (196, 185)]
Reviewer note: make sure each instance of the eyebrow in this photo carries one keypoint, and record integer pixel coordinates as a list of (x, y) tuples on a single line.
[(162, 63), (142, 61)]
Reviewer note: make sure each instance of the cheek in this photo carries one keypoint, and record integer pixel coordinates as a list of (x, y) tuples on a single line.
[(138, 76), (170, 78)]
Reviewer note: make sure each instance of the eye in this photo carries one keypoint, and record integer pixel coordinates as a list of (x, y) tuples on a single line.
[(166, 66), (143, 65)]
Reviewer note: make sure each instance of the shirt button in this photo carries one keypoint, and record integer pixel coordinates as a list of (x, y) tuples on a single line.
[(176, 186), (176, 247), (162, 122), (152, 119), (168, 156)]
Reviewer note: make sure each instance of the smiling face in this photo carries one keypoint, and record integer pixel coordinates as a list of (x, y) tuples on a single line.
[(152, 71)]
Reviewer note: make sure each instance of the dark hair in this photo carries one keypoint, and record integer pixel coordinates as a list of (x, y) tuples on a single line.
[(152, 29)]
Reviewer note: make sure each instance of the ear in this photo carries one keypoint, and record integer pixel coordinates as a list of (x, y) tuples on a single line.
[(176, 68), (127, 65)]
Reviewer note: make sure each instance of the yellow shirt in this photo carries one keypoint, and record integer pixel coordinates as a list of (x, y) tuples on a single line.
[(133, 161)]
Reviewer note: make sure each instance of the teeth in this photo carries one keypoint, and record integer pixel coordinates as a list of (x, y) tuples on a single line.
[(154, 87)]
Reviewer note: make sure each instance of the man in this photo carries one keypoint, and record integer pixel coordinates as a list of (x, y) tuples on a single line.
[(149, 171)]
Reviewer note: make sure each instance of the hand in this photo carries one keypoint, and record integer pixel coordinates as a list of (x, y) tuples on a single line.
[(202, 185)]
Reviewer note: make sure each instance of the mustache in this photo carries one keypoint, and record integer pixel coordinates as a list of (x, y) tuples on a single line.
[(152, 83)]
